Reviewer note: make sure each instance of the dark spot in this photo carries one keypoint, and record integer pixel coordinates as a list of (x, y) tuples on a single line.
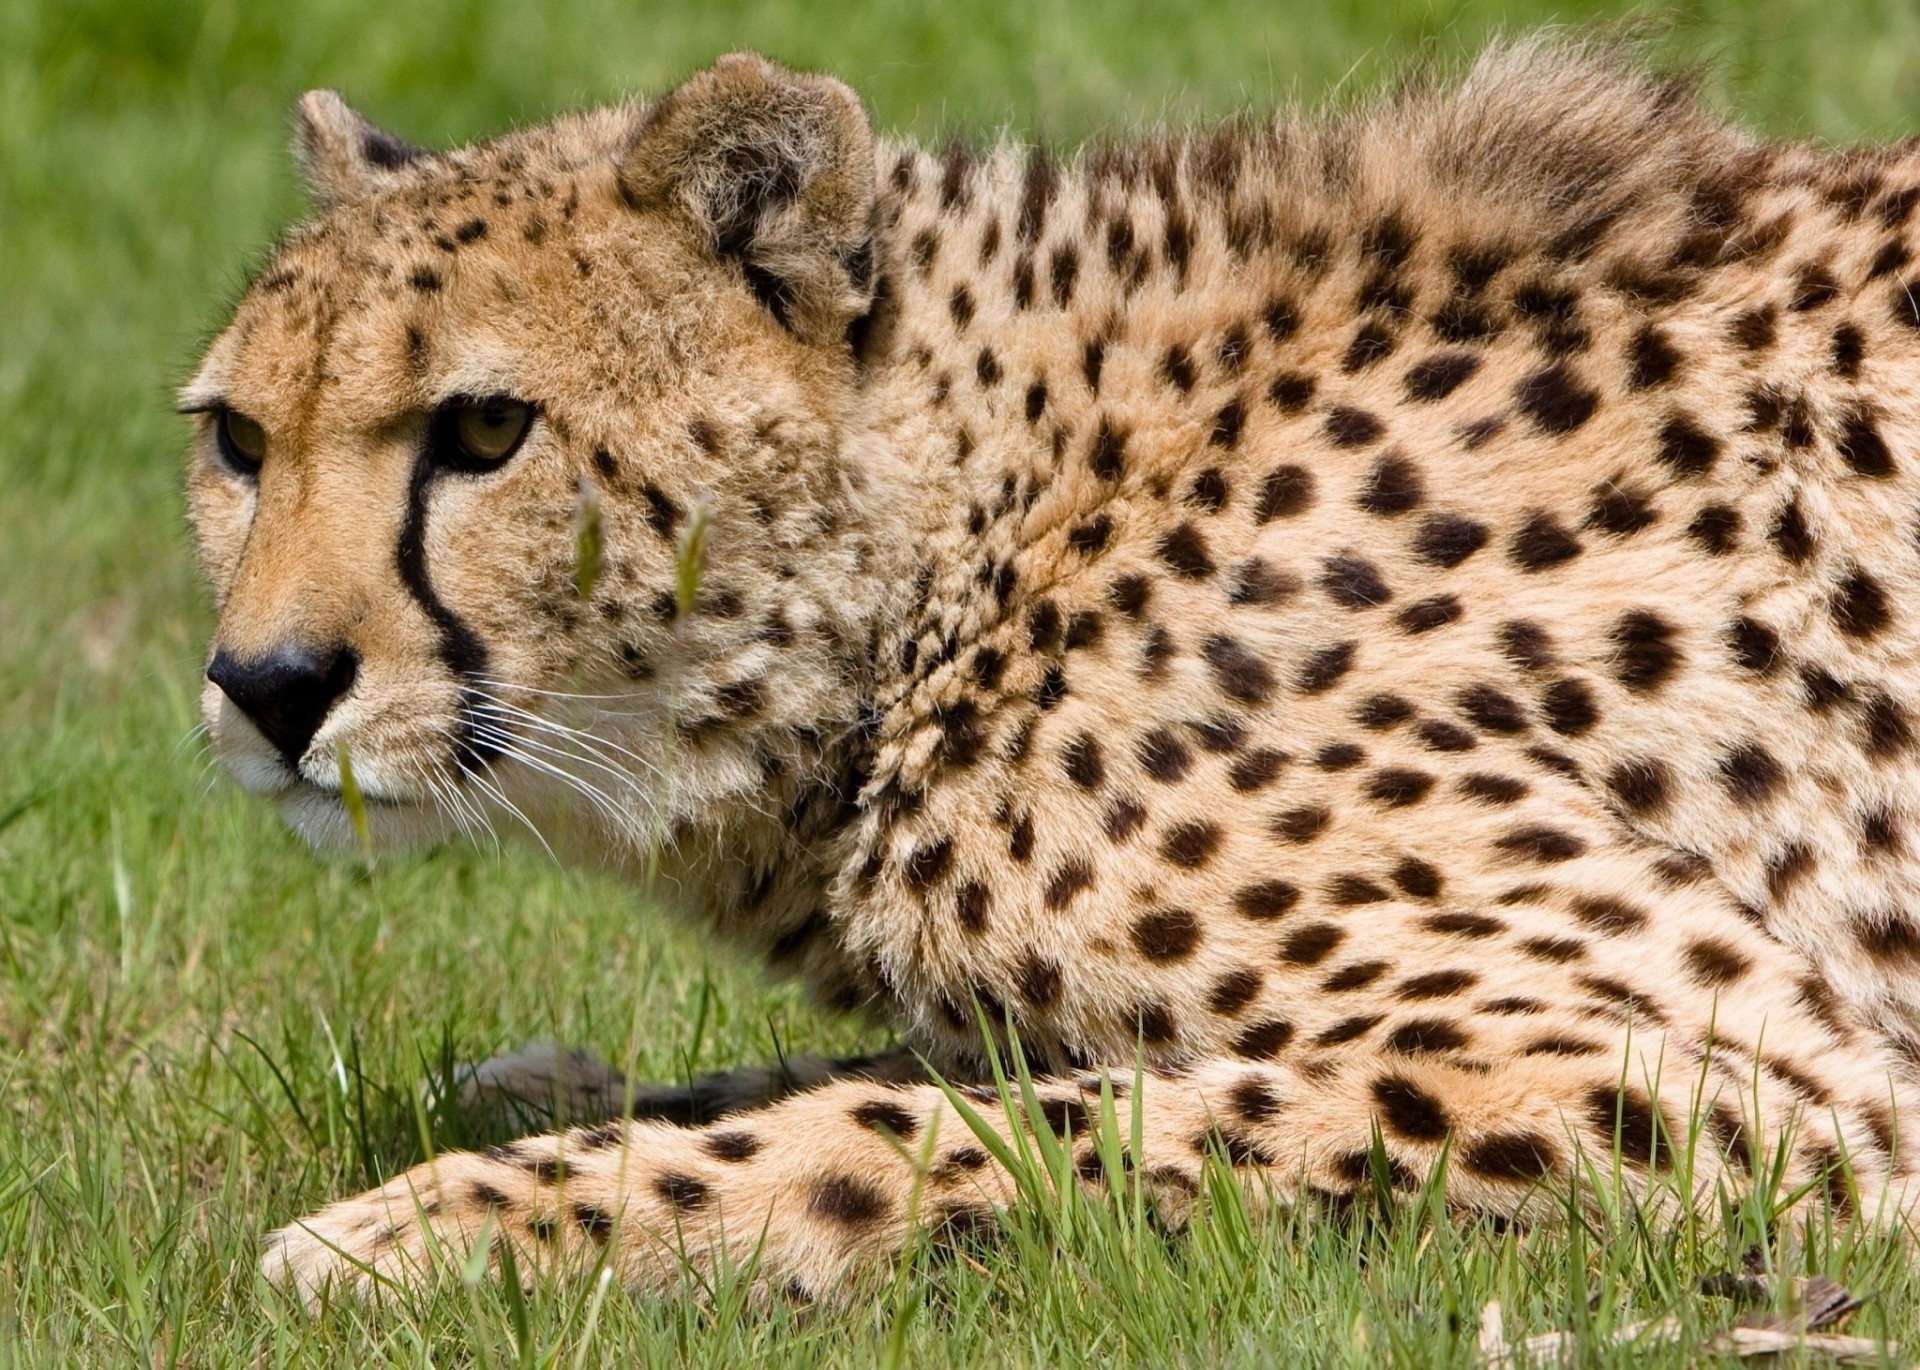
[(1493, 789), (1750, 773), (1393, 487), (1324, 668), (1541, 542), (1226, 428), (1847, 348), (1263, 1040), (1609, 915), (1436, 377), (1256, 769), (1790, 535), (1755, 646), (1373, 342), (1233, 991), (1517, 1157), (1568, 707), (1311, 944), (1267, 900), (1166, 935), (1084, 762), (1814, 286), (1287, 490), (1354, 583), (1397, 787), (1863, 448), (1352, 427), (1129, 594), (1356, 976), (1651, 359), (1069, 880), (1177, 368), (1716, 528), (1423, 616), (1628, 1114), (1556, 399), (1686, 449), (1108, 453), (1620, 511), (1190, 844), (1209, 491), (681, 1191), (1255, 582), (1237, 671), (1712, 962), (1538, 842), (1448, 539), (1420, 1035), (1291, 392), (1303, 824), (1464, 924), (1859, 606), (1878, 831), (1155, 1024), (1340, 756), (1038, 980), (1526, 645), (1558, 950), (1416, 878), (929, 862), (1382, 711), (847, 1201), (1885, 729), (1155, 653), (1410, 1111), (1641, 786), (1491, 711), (1184, 551), (1645, 656), (971, 906), (1439, 984), (1756, 329), (1164, 756), (1349, 891)]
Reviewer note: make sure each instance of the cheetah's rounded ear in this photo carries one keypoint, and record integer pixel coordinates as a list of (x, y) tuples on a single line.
[(775, 169), (345, 157)]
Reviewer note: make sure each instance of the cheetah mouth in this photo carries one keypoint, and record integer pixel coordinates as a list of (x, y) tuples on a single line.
[(319, 815)]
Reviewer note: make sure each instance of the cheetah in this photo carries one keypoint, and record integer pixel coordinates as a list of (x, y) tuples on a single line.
[(1384, 633)]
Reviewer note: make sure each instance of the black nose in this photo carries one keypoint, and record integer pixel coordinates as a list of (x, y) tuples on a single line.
[(287, 692)]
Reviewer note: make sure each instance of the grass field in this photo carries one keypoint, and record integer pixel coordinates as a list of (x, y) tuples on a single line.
[(204, 1032)]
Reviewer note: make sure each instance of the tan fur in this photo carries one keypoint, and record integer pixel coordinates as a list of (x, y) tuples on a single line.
[(1406, 615)]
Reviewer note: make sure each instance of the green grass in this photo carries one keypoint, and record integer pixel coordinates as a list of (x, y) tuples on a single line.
[(204, 1032)]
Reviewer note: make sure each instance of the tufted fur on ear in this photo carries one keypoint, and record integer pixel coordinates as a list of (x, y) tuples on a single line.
[(775, 169), (345, 157)]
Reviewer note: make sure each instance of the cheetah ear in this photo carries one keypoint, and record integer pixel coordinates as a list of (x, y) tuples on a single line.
[(775, 169), (345, 157)]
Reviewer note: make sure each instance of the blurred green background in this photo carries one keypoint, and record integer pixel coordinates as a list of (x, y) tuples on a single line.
[(183, 991)]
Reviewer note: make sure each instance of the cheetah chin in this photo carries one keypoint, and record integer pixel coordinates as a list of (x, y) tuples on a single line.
[(1403, 619)]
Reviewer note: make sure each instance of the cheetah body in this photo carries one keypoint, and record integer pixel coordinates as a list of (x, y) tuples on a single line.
[(1401, 618)]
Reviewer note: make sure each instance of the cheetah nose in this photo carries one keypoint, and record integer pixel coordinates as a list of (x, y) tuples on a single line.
[(288, 692)]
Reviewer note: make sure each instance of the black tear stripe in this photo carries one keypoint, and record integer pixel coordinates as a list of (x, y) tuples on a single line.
[(460, 648)]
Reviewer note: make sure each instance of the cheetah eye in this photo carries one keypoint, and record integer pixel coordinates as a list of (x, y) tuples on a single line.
[(242, 442), (479, 434)]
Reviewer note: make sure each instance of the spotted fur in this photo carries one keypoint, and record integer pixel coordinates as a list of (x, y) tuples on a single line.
[(1403, 616)]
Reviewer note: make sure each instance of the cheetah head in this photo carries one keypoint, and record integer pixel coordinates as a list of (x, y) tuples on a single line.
[(478, 428)]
